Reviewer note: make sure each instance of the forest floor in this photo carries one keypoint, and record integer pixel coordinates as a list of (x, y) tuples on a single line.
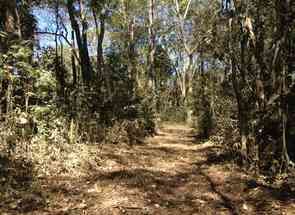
[(170, 174)]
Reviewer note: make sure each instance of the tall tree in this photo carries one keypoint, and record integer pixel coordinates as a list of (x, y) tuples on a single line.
[(152, 45), (81, 37), (99, 15), (10, 22)]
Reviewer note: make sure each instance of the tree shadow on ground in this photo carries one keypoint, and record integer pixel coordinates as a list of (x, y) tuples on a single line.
[(258, 196), (160, 188), (188, 188), (174, 193), (212, 149), (161, 149), (226, 201), (117, 158), (157, 187), (199, 139), (175, 141), (185, 191), (18, 192), (215, 158), (169, 150), (174, 131)]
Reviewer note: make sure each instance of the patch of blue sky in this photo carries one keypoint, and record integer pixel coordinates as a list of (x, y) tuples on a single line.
[(46, 22)]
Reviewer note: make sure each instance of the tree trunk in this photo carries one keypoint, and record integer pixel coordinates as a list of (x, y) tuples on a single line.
[(74, 69), (285, 155), (242, 113), (152, 45), (131, 49), (10, 22), (58, 62), (81, 38), (100, 32), (131, 57), (102, 72), (11, 25)]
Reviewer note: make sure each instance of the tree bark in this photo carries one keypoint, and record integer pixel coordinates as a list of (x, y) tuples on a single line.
[(81, 38), (59, 72), (10, 22), (100, 33), (74, 69), (152, 45)]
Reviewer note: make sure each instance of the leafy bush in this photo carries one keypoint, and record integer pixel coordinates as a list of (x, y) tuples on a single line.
[(174, 114)]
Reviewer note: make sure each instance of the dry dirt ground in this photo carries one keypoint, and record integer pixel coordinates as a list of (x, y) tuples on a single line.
[(170, 174)]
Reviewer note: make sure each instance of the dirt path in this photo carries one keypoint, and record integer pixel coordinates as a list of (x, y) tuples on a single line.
[(169, 175)]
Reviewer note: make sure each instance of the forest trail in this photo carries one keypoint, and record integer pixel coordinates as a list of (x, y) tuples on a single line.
[(170, 174)]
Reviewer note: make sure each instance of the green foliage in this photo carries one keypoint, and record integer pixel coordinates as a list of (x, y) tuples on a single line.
[(163, 65), (126, 102), (45, 86), (174, 114), (203, 105), (146, 115), (16, 60)]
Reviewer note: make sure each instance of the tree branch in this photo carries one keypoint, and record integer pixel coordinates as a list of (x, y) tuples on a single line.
[(64, 37)]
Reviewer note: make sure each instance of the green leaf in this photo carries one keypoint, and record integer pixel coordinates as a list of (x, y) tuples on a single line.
[(3, 34)]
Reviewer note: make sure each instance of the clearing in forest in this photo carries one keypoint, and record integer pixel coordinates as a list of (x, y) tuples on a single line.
[(170, 174)]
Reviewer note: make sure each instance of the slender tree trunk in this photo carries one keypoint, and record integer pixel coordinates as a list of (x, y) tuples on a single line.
[(100, 59), (103, 74), (131, 56), (81, 38), (239, 81), (131, 49), (188, 86), (100, 32), (57, 63), (152, 45), (74, 69), (242, 113), (151, 58), (284, 110), (129, 21), (9, 102)]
